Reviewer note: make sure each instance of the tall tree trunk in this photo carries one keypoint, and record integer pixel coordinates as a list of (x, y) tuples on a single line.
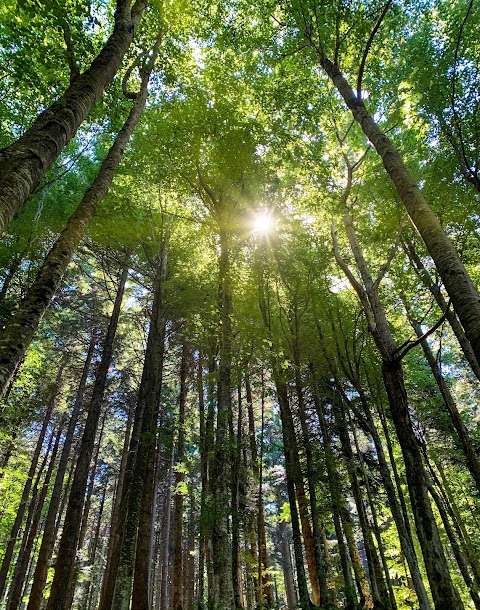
[(49, 530), (23, 558), (291, 466), (265, 588), (222, 557), (398, 513), (464, 295), (336, 503), (373, 510), (379, 592), (118, 590), (444, 594), (461, 562), (210, 453), (65, 563), (452, 509), (203, 496), (91, 556), (236, 460), (190, 557), (287, 566), (7, 558), (177, 579), (142, 592), (23, 164), (473, 462), (294, 478), (85, 515), (166, 537), (324, 594), (251, 534), (22, 326), (116, 501), (436, 292)]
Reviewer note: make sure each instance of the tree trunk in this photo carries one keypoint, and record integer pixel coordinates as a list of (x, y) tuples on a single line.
[(7, 558), (221, 550), (65, 563), (473, 462), (264, 586), (203, 496), (292, 476), (461, 562), (336, 503), (177, 579), (360, 576), (118, 590), (22, 326), (23, 164), (436, 292), (458, 284), (190, 558), (236, 460), (85, 516), (378, 588), (49, 530), (116, 501), (23, 558), (166, 537), (323, 593), (444, 594), (287, 566)]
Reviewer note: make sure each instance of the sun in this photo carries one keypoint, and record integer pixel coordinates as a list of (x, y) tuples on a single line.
[(263, 222)]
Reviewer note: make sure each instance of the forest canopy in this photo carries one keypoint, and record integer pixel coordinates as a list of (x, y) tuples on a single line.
[(239, 305)]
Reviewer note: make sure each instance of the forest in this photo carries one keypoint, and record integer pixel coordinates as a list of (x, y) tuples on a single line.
[(239, 306)]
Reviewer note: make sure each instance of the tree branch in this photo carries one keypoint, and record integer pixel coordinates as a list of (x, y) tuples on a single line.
[(368, 47), (412, 344)]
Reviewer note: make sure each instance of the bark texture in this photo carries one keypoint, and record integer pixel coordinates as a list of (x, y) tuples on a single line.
[(65, 563), (20, 329), (23, 164), (444, 594), (459, 286)]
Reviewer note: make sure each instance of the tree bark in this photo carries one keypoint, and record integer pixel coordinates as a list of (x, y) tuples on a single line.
[(265, 588), (115, 516), (323, 593), (49, 529), (473, 462), (177, 578), (221, 551), (292, 476), (118, 590), (458, 284), (236, 460), (461, 562), (7, 558), (65, 563), (22, 326), (379, 592), (436, 292), (444, 594), (23, 558), (23, 164), (287, 567), (336, 503)]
